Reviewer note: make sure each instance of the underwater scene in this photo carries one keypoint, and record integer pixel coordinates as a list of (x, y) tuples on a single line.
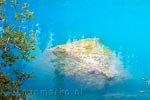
[(74, 50)]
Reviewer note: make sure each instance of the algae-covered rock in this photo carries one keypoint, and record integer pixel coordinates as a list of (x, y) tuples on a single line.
[(87, 61)]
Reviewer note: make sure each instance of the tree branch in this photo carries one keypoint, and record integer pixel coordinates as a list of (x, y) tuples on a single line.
[(9, 37), (14, 26)]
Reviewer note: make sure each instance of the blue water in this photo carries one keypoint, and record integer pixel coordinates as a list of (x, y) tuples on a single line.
[(122, 25)]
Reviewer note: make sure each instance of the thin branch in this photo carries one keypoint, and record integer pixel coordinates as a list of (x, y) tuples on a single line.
[(7, 43), (9, 37), (15, 26), (18, 47)]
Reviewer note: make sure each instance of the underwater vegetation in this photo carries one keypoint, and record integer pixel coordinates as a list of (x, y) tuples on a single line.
[(15, 45)]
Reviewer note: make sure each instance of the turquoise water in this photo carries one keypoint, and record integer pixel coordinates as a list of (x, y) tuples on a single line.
[(122, 25)]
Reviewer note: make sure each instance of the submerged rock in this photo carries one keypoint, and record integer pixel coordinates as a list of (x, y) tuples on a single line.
[(87, 61)]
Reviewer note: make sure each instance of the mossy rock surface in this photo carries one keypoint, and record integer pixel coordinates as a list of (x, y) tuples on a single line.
[(87, 61)]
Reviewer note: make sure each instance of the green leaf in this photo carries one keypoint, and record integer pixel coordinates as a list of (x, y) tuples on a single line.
[(18, 3), (33, 47), (26, 5), (14, 38), (2, 31), (32, 40), (31, 17), (0, 7), (32, 57), (22, 19), (22, 8), (21, 14), (5, 20)]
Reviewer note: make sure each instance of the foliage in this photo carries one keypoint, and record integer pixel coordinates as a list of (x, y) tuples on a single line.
[(147, 85), (15, 45)]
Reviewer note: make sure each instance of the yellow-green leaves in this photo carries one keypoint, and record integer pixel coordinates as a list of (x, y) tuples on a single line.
[(32, 40), (29, 14), (147, 82), (31, 33), (14, 3), (25, 6), (5, 20), (17, 16), (21, 14), (2, 31), (18, 3), (4, 13), (24, 16), (16, 71), (31, 17), (22, 8), (22, 19), (0, 7), (33, 47), (1, 17), (32, 57), (2, 2), (14, 39)]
